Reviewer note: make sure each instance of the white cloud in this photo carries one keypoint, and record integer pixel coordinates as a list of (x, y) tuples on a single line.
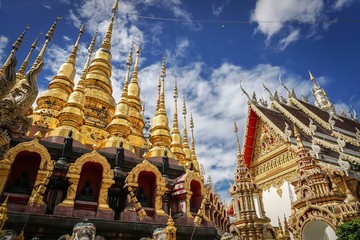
[(272, 15), (340, 4), (3, 44), (218, 6), (66, 38), (292, 37)]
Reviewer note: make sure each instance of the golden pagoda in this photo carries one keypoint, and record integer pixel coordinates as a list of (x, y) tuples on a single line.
[(136, 119), (52, 101), (120, 127), (160, 137), (71, 117), (99, 102)]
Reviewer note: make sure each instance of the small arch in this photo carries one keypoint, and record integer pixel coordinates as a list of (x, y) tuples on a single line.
[(146, 192), (196, 197), (90, 182), (23, 173)]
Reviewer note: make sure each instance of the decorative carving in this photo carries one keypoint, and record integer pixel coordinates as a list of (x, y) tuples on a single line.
[(7, 81), (32, 146), (132, 180), (23, 95), (74, 176)]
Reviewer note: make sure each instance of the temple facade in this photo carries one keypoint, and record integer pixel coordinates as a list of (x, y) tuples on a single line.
[(82, 157)]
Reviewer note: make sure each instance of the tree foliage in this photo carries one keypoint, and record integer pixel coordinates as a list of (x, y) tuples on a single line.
[(349, 230)]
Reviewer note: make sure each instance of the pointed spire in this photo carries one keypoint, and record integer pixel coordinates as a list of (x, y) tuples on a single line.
[(160, 133), (176, 144), (15, 47), (321, 99), (72, 57), (71, 118), (21, 72), (193, 152), (136, 117), (311, 76), (162, 92), (49, 35), (120, 127), (158, 99), (106, 44), (186, 142), (134, 78), (237, 138)]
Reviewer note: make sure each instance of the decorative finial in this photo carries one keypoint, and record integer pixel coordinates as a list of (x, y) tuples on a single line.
[(237, 137), (72, 57), (49, 35), (311, 76), (163, 68), (92, 44), (21, 72), (15, 47), (246, 94), (129, 59), (38, 135), (95, 146), (18, 42), (297, 134), (106, 44)]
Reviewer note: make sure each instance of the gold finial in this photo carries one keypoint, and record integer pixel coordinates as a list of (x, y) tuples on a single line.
[(95, 146), (311, 76), (158, 99), (87, 63), (186, 141), (163, 68), (15, 47), (21, 72), (72, 57), (48, 38), (136, 66), (297, 134), (128, 63), (38, 135), (176, 144), (18, 42), (162, 92), (106, 44), (49, 35), (193, 152)]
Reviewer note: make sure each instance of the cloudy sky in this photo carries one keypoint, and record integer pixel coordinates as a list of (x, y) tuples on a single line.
[(210, 45)]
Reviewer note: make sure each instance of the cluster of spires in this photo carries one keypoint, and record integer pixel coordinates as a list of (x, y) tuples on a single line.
[(90, 112), (321, 99), (11, 58)]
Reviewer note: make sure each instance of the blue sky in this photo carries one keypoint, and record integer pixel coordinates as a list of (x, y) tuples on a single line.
[(208, 57)]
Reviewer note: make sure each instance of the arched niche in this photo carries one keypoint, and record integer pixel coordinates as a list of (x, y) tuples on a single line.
[(90, 161), (196, 197), (90, 182), (146, 192), (26, 163), (147, 169), (193, 185)]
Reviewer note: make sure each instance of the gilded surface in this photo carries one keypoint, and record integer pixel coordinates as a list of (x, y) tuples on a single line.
[(74, 176), (132, 180)]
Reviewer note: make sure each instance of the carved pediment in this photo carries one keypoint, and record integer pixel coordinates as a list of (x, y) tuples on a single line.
[(266, 139)]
